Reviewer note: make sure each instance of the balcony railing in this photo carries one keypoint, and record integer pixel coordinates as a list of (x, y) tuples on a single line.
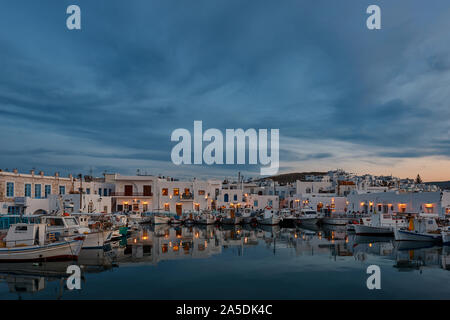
[(132, 194), (186, 196)]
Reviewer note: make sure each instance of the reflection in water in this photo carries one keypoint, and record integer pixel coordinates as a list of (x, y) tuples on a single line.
[(154, 244)]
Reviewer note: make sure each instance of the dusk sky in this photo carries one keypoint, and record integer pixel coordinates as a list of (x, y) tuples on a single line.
[(108, 97)]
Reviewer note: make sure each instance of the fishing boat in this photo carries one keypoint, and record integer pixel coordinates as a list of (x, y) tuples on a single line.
[(308, 216), (419, 229), (29, 242), (380, 225), (268, 217), (68, 226)]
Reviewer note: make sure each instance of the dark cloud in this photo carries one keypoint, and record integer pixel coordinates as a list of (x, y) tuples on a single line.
[(137, 71)]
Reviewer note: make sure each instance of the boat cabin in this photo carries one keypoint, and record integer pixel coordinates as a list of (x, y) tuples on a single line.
[(23, 234), (64, 225)]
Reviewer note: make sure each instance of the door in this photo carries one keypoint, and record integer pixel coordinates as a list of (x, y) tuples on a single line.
[(147, 191), (128, 190), (179, 209)]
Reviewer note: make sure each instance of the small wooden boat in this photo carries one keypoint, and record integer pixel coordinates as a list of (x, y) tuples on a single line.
[(28, 242)]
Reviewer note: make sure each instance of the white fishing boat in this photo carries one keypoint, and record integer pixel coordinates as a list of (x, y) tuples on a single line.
[(29, 242), (269, 217), (308, 216), (419, 229), (380, 225), (68, 226)]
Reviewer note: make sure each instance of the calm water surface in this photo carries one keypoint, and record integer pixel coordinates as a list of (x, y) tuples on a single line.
[(163, 262)]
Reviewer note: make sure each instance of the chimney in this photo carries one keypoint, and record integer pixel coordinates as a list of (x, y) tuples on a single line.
[(70, 176), (56, 174), (15, 171), (41, 173), (32, 172)]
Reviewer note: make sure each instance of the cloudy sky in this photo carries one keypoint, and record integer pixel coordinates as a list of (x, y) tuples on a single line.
[(109, 96)]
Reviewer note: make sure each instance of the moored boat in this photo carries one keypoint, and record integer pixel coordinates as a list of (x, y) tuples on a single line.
[(268, 217), (29, 242), (419, 229), (308, 216), (380, 225)]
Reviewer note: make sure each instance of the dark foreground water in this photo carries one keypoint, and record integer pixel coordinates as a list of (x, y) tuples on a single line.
[(240, 263)]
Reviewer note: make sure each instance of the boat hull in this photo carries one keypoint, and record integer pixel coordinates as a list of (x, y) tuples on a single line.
[(232, 221), (308, 221), (272, 221), (405, 235), (62, 251), (96, 240), (362, 230), (335, 221), (206, 221), (160, 220)]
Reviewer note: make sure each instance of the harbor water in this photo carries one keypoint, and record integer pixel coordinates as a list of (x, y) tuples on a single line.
[(239, 262)]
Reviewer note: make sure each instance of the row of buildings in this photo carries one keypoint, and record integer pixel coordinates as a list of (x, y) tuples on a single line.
[(338, 191)]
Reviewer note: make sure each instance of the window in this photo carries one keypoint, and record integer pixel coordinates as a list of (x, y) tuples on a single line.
[(10, 189), (37, 191), (201, 192), (119, 207), (187, 191), (165, 192), (28, 190), (109, 192), (147, 191), (99, 191), (135, 207), (255, 203), (71, 222), (13, 210), (225, 197), (176, 191), (105, 192), (166, 207), (88, 190), (91, 207), (62, 190), (235, 197), (55, 222), (197, 207), (48, 190), (270, 204)]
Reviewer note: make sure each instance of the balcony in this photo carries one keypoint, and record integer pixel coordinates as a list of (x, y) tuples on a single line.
[(187, 196), (131, 194)]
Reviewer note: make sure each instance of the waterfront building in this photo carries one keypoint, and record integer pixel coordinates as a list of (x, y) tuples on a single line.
[(395, 202)]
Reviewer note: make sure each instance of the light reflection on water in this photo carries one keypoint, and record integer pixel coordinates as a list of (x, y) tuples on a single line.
[(242, 262)]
